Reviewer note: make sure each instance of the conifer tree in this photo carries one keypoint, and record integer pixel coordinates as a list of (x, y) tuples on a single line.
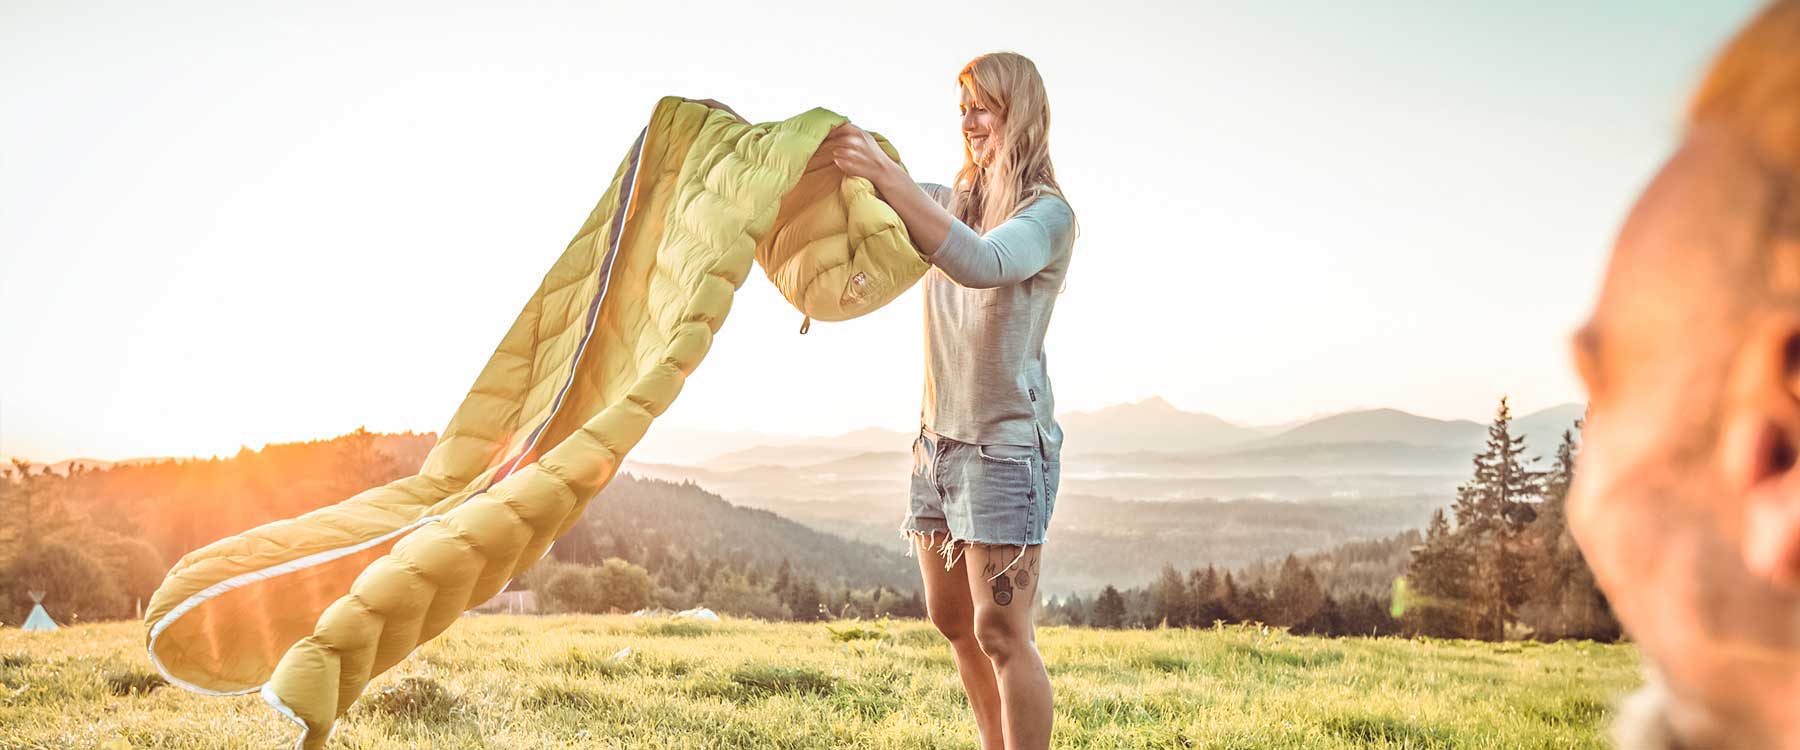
[(1565, 601), (1169, 598), (1204, 598), (1245, 601), (1492, 510), (783, 576), (1078, 611), (1109, 608), (1297, 594), (1437, 580), (1504, 490), (1229, 600)]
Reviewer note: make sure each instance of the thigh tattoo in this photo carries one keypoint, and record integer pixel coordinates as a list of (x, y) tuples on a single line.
[(1004, 587), (1002, 590), (1028, 569)]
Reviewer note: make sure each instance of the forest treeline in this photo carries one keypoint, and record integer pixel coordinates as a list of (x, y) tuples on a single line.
[(98, 541), (1499, 565)]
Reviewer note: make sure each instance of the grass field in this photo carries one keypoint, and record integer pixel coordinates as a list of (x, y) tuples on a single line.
[(554, 682)]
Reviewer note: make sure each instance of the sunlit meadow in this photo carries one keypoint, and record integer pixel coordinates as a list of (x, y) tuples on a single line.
[(628, 682)]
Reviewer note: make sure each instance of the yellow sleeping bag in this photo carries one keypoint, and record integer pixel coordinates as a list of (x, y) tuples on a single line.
[(308, 610)]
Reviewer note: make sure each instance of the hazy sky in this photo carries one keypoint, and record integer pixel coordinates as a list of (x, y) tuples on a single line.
[(229, 224)]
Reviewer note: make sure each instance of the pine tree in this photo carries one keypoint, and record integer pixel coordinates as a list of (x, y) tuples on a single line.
[(1077, 609), (1326, 619), (1204, 598), (1504, 491), (360, 465), (1228, 600), (807, 604), (1245, 601), (1438, 582), (657, 560), (690, 566), (1169, 598), (783, 578), (1492, 510), (1565, 601), (1364, 615), (1297, 595), (1561, 475), (33, 509), (1109, 609)]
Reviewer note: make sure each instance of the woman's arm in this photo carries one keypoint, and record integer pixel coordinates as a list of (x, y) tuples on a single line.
[(1009, 254), (1013, 252)]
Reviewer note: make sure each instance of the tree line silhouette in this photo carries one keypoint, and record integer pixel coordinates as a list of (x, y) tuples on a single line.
[(1500, 565), (1506, 567)]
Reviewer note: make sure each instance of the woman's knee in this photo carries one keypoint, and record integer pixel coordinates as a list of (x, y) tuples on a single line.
[(1000, 635), (954, 622)]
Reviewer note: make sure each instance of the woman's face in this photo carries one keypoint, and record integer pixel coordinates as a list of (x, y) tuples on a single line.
[(980, 128)]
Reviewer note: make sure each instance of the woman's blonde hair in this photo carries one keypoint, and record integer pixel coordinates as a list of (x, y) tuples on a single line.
[(1008, 84)]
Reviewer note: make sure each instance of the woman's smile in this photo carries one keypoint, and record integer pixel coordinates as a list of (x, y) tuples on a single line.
[(978, 143)]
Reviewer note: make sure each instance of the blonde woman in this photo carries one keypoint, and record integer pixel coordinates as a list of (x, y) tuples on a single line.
[(987, 457)]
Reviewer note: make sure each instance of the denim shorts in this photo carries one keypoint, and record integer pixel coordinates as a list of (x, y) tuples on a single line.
[(979, 493)]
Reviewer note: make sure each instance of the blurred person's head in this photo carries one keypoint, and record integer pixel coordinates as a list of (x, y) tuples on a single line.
[(1687, 495)]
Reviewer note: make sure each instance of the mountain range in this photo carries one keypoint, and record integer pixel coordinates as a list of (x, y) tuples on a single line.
[(1148, 477), (1150, 426), (1163, 483)]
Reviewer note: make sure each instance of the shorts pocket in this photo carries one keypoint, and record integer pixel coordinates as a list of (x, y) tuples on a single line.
[(1004, 499), (1017, 454)]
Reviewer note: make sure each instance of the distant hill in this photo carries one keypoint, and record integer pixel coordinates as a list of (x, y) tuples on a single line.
[(815, 450), (1380, 426), (1097, 541), (674, 444), (1150, 424), (685, 517), (1146, 479), (1543, 429), (1308, 459)]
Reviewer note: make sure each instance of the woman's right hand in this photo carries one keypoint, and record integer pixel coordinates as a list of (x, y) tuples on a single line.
[(856, 154)]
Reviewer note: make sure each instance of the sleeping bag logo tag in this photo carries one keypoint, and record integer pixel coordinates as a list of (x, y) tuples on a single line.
[(854, 291)]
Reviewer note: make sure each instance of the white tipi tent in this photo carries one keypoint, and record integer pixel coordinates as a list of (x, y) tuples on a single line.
[(39, 619)]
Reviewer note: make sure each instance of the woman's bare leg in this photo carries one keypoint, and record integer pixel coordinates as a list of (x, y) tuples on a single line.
[(1005, 603), (948, 604)]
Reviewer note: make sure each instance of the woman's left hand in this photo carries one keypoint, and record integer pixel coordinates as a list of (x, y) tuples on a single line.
[(855, 152)]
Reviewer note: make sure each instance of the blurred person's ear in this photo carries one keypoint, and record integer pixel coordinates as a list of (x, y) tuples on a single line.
[(1761, 440)]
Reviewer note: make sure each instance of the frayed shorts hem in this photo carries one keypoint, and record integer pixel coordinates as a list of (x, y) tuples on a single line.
[(951, 548)]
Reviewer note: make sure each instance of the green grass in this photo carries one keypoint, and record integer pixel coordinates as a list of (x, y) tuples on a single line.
[(552, 682)]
